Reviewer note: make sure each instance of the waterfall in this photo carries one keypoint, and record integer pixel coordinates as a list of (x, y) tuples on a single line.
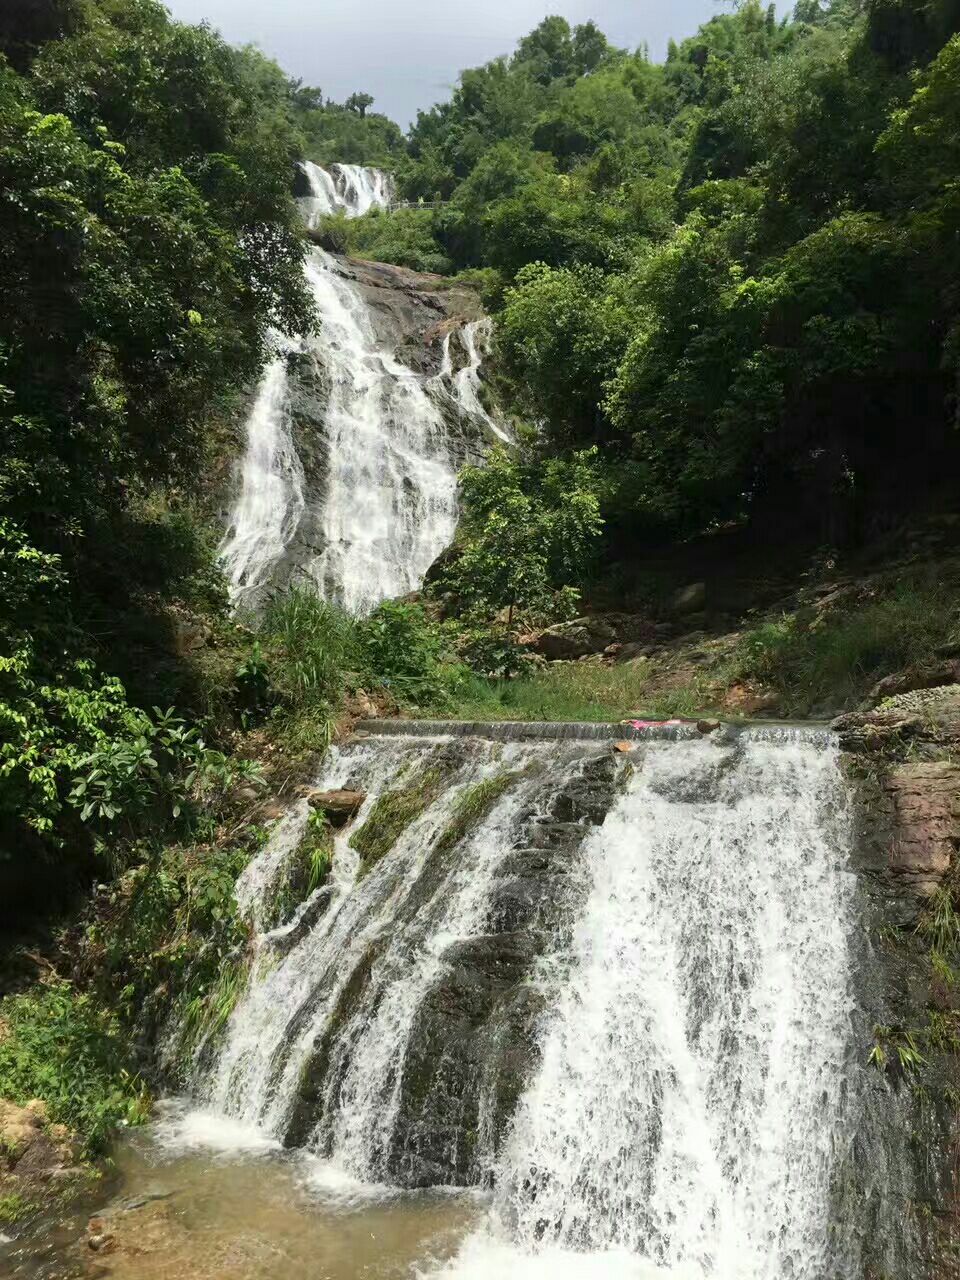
[(621, 995), (689, 1101), (350, 189), (464, 384), (388, 506), (271, 501)]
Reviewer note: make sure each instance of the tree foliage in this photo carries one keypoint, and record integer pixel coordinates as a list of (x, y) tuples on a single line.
[(736, 273), (148, 245)]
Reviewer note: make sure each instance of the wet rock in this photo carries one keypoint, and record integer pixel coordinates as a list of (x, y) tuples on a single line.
[(450, 1057), (473, 1042), (313, 1076), (339, 806), (707, 726)]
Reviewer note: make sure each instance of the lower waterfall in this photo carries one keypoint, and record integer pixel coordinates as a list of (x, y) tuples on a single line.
[(616, 991)]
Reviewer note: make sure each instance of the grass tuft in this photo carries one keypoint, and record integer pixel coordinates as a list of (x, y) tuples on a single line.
[(474, 805), (833, 662)]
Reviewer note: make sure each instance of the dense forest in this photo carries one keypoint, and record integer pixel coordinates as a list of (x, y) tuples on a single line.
[(735, 273), (726, 293)]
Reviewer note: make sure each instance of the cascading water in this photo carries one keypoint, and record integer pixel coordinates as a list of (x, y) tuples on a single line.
[(351, 189), (620, 994), (689, 1107), (271, 501), (388, 506), (391, 501), (464, 383)]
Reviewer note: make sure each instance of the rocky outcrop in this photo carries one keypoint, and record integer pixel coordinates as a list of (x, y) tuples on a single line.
[(911, 832), (412, 311), (904, 769), (38, 1165), (566, 641), (473, 1045)]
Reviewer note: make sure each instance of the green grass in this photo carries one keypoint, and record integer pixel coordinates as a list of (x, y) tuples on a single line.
[(578, 691), (833, 662), (13, 1207)]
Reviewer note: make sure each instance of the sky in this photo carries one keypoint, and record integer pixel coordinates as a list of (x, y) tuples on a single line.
[(407, 53)]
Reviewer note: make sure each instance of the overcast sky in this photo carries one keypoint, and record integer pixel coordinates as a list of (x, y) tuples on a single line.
[(407, 52)]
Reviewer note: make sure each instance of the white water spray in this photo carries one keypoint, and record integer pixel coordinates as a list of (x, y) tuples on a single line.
[(688, 1114), (391, 501), (271, 500), (463, 384)]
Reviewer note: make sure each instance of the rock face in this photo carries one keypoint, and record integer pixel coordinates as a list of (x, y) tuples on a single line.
[(905, 775), (411, 311), (584, 636), (473, 1044)]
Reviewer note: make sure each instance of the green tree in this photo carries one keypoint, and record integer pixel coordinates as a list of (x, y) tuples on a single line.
[(526, 536), (359, 102)]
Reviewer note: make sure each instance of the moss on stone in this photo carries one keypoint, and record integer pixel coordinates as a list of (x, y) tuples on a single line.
[(391, 815), (474, 805), (306, 868)]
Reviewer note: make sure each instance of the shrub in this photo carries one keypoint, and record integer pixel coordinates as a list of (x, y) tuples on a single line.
[(67, 1048), (72, 741), (402, 650)]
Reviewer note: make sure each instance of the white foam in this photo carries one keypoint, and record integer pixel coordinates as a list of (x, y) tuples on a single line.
[(483, 1257), (181, 1128)]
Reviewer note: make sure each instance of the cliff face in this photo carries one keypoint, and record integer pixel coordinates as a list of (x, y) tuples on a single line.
[(902, 762)]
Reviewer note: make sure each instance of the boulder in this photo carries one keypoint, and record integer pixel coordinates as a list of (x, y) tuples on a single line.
[(594, 634), (339, 806), (929, 675), (690, 599), (20, 1128)]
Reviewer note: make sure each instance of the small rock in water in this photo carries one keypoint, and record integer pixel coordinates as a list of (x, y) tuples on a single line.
[(708, 726), (623, 746), (339, 806)]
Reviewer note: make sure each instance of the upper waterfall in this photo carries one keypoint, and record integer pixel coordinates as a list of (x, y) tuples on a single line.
[(620, 995), (383, 504), (351, 189)]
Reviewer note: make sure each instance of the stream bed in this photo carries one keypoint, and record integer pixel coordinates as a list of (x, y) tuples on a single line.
[(198, 1197)]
